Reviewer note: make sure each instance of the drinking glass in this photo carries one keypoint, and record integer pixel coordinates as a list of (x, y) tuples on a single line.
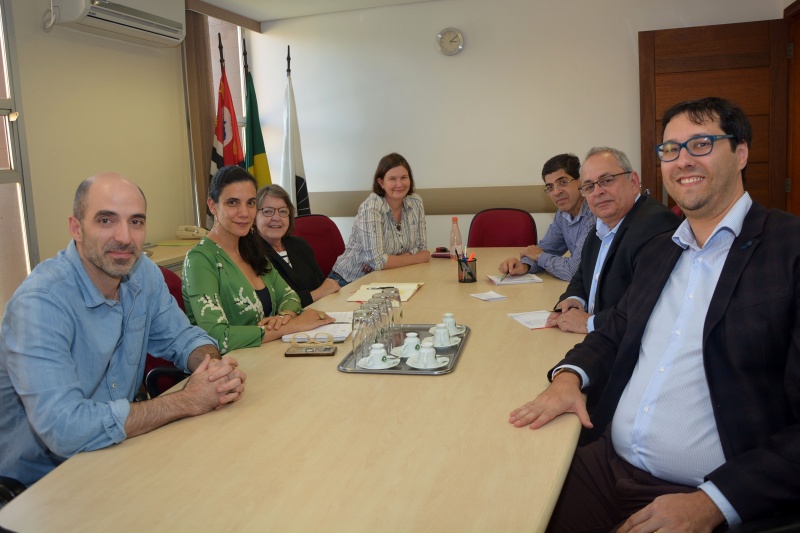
[(363, 333), (397, 314)]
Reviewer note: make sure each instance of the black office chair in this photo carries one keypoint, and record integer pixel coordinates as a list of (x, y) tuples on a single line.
[(10, 488)]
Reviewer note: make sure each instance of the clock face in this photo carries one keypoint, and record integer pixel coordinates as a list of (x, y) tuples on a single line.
[(450, 41)]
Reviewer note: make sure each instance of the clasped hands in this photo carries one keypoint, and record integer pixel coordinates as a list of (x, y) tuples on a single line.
[(569, 316), (215, 383)]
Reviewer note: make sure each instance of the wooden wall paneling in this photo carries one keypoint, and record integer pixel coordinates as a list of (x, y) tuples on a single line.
[(793, 143), (779, 105), (713, 47), (647, 110), (748, 87)]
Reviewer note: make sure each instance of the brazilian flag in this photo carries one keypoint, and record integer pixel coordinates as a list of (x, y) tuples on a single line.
[(255, 155)]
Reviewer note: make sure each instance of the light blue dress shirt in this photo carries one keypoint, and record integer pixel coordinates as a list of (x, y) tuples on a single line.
[(71, 360), (664, 422), (606, 236), (565, 233)]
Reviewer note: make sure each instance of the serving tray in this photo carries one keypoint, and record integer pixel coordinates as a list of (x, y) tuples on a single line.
[(349, 365)]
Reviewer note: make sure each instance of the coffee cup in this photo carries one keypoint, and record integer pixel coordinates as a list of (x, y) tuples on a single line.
[(449, 320), (411, 344), (441, 336), (427, 355), (377, 355)]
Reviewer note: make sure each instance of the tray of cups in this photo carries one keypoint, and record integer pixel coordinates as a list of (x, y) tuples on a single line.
[(420, 353)]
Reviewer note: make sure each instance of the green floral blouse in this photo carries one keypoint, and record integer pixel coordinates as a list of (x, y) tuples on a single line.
[(220, 299)]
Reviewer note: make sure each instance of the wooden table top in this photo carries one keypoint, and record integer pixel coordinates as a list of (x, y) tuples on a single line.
[(309, 448)]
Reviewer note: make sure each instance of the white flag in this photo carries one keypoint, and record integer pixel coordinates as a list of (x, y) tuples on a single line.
[(293, 174)]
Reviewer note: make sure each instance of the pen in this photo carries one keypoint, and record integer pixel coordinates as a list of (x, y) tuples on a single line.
[(503, 277), (378, 288)]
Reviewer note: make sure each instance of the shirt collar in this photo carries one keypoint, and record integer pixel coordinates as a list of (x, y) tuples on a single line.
[(584, 212), (91, 294), (733, 222), (602, 228)]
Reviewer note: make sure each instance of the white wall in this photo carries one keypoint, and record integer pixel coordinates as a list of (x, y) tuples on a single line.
[(92, 104), (536, 78)]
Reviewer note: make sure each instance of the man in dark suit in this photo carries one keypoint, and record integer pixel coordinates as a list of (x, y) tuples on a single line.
[(700, 359), (626, 221)]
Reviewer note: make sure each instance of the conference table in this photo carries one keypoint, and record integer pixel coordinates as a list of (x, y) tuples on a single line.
[(310, 448)]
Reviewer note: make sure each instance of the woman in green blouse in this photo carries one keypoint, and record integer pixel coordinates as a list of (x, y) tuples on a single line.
[(230, 289)]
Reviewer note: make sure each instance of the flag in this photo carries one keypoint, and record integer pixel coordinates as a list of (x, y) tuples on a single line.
[(255, 155), (227, 148), (293, 175)]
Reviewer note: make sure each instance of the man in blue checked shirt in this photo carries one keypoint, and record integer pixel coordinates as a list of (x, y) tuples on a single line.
[(572, 222), (75, 335), (698, 365)]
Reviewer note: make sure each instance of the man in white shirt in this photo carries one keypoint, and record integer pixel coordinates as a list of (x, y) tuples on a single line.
[(697, 423)]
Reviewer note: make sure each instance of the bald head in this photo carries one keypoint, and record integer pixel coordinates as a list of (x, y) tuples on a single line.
[(110, 180)]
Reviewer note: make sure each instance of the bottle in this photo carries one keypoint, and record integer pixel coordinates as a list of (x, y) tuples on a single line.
[(456, 248)]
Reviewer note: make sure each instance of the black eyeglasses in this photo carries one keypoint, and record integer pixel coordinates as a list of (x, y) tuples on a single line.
[(697, 146), (602, 182), (269, 212), (560, 183)]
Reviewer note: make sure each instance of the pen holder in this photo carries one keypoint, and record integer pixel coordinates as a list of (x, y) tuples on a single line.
[(467, 271)]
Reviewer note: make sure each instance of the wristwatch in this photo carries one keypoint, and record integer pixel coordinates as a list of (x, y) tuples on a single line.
[(567, 369)]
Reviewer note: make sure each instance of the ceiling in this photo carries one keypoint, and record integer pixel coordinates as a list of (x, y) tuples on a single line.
[(265, 10)]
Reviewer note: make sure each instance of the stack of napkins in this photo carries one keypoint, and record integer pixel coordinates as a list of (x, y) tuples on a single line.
[(489, 296), (531, 319)]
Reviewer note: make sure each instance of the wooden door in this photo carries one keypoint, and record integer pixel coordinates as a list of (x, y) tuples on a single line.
[(745, 63), (792, 15)]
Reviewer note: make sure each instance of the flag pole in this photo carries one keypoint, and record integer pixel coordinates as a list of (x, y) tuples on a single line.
[(221, 57), (288, 60), (244, 54)]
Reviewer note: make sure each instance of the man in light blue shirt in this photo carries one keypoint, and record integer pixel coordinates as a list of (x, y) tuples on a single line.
[(571, 224), (75, 335), (698, 364)]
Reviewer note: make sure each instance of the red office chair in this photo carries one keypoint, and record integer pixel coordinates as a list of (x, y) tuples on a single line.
[(502, 226), (677, 210), (160, 374), (324, 238)]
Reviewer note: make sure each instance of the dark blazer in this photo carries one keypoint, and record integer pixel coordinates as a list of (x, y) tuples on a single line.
[(646, 219), (751, 354), (304, 275)]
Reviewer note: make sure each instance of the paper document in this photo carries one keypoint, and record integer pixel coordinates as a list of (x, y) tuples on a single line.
[(515, 280), (366, 292), (339, 329), (489, 296), (531, 319)]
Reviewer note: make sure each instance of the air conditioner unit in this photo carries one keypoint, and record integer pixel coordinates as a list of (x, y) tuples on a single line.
[(151, 22)]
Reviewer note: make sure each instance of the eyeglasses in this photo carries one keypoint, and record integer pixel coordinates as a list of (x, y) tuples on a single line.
[(269, 212), (559, 184), (699, 145), (602, 182)]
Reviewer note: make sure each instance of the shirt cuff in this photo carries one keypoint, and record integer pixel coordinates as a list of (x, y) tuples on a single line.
[(581, 373), (731, 516), (577, 299), (590, 324)]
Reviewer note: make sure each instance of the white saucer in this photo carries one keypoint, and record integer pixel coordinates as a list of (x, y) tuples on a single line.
[(397, 351), (460, 330), (390, 362), (453, 342), (443, 361)]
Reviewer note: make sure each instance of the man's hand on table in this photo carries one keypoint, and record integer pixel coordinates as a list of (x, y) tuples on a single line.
[(562, 396)]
